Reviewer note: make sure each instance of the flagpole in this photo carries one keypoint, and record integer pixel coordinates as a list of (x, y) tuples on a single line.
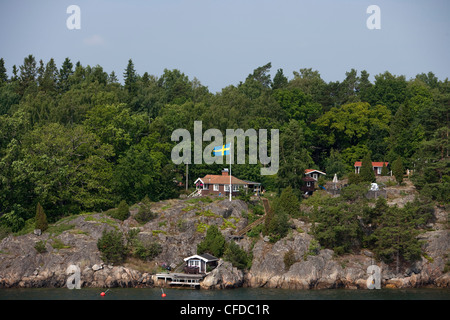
[(231, 190)]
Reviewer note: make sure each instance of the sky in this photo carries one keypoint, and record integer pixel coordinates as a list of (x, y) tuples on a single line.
[(220, 42)]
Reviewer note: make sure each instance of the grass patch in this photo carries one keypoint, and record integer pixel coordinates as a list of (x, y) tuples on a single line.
[(58, 244), (201, 227), (56, 230), (156, 232), (197, 200)]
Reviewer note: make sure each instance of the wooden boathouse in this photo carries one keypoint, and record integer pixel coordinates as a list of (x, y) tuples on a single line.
[(194, 271)]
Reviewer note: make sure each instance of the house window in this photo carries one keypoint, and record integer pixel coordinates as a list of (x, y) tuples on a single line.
[(194, 263), (205, 186), (308, 184), (379, 170), (235, 187), (216, 187), (315, 176), (227, 187)]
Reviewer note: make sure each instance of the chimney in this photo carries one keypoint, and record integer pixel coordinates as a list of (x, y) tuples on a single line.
[(225, 172)]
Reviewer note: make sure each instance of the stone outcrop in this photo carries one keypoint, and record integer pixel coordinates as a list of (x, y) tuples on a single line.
[(322, 269), (224, 276), (292, 262)]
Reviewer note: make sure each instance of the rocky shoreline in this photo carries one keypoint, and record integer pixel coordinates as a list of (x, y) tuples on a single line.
[(22, 266)]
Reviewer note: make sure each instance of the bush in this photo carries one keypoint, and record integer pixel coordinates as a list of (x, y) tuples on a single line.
[(355, 192), (397, 170), (214, 242), (41, 218), (122, 212), (237, 256), (147, 250), (144, 214), (288, 203), (354, 178), (289, 259), (112, 247), (244, 196), (40, 247)]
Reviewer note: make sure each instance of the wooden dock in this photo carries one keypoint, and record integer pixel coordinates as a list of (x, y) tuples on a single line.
[(181, 279)]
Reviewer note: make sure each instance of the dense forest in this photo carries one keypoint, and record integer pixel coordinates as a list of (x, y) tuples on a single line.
[(75, 140)]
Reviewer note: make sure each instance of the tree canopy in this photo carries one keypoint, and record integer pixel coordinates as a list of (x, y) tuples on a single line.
[(73, 138)]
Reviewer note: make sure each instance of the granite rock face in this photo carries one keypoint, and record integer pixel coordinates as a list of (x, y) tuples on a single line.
[(294, 262), (177, 228), (322, 269)]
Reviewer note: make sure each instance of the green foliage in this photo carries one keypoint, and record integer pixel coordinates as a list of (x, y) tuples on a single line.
[(40, 246), (384, 170), (12, 220), (396, 236), (237, 256), (338, 228), (141, 249), (122, 212), (397, 170), (41, 218), (112, 247), (76, 140), (214, 242), (366, 172), (355, 192), (335, 165), (145, 214), (287, 203), (289, 259), (276, 223)]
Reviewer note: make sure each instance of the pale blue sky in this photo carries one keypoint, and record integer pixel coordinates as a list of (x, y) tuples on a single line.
[(220, 42)]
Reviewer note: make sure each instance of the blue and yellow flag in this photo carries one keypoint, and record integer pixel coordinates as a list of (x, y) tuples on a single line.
[(222, 150)]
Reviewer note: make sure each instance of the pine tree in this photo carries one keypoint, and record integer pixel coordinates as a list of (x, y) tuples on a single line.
[(64, 73), (397, 170), (396, 237), (130, 78), (366, 173), (50, 76), (384, 170), (41, 218), (3, 75), (28, 73)]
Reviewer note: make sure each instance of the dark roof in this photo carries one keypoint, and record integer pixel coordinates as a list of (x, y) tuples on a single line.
[(251, 182), (208, 256)]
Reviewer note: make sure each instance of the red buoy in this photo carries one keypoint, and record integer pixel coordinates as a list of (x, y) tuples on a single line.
[(102, 294), (163, 295)]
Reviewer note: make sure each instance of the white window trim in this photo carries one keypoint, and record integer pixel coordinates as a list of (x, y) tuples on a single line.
[(216, 187)]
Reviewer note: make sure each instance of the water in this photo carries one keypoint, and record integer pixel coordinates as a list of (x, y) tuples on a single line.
[(240, 294)]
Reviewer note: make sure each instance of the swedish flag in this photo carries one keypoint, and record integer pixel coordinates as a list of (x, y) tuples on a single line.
[(222, 150)]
